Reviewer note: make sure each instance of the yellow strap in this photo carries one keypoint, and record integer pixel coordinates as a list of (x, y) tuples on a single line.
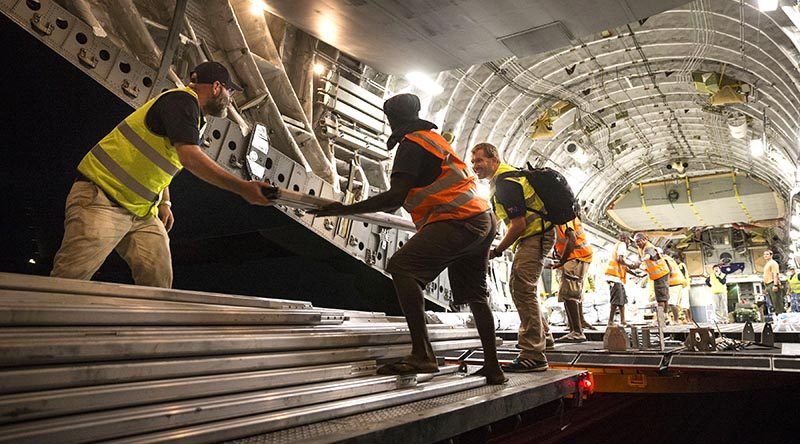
[(646, 211), (739, 199), (691, 204)]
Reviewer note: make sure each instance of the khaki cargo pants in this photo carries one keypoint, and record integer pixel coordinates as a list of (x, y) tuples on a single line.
[(525, 272), (94, 225)]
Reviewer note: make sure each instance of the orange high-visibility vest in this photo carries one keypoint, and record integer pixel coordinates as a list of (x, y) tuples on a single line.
[(452, 195), (615, 268), (655, 268), (582, 250), (675, 275)]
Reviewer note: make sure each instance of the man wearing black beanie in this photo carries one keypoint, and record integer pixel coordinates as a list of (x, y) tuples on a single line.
[(454, 231)]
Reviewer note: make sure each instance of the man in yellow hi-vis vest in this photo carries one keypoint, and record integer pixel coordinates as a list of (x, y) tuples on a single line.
[(719, 290), (793, 280), (120, 199), (531, 237)]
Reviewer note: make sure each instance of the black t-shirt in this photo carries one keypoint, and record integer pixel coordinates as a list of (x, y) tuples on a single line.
[(413, 160), (175, 115), (510, 195)]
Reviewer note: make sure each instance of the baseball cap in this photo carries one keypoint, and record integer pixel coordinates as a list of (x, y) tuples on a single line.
[(402, 107), (210, 72)]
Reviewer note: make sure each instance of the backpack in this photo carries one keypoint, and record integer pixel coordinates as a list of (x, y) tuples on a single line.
[(552, 187)]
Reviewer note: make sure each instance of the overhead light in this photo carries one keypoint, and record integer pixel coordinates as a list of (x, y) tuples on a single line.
[(794, 234), (319, 68), (32, 261), (576, 152), (793, 14), (327, 30), (767, 5), (576, 178), (757, 147), (796, 220), (424, 83), (257, 7)]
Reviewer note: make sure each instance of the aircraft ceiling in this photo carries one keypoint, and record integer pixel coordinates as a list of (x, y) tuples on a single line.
[(636, 108)]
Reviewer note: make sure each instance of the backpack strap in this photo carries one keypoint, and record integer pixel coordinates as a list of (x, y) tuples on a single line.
[(520, 173)]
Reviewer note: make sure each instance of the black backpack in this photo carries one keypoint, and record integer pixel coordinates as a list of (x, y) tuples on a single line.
[(552, 187)]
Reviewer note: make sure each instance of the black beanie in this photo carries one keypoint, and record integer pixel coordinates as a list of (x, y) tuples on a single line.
[(402, 107)]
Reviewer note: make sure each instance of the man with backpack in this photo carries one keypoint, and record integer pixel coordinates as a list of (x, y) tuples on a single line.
[(529, 234)]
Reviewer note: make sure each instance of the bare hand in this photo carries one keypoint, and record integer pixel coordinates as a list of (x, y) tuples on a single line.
[(332, 209), (165, 216), (493, 253), (253, 194)]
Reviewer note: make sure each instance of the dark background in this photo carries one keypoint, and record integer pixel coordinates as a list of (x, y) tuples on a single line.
[(53, 113)]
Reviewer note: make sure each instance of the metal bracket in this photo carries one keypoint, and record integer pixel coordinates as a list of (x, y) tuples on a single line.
[(767, 336), (39, 27), (748, 333)]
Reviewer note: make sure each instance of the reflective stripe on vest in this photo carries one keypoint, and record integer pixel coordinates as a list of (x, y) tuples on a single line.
[(794, 284), (534, 224), (656, 269), (717, 287), (615, 268), (582, 249), (133, 165), (675, 275), (452, 195)]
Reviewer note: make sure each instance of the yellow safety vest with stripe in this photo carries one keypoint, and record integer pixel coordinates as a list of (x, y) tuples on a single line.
[(615, 268), (582, 250), (534, 224), (675, 275), (656, 269), (717, 287), (453, 195), (794, 284), (132, 164)]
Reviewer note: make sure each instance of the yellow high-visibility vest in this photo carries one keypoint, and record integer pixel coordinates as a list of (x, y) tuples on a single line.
[(534, 224), (132, 164)]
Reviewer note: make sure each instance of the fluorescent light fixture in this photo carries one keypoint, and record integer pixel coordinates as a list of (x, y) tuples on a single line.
[(767, 5), (319, 68), (424, 83), (257, 7), (32, 261), (756, 147)]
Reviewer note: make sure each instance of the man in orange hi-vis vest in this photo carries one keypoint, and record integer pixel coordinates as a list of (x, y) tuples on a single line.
[(658, 270), (454, 231), (574, 254)]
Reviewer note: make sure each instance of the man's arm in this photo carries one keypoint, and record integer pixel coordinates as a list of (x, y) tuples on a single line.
[(515, 228), (165, 210), (194, 160), (389, 200)]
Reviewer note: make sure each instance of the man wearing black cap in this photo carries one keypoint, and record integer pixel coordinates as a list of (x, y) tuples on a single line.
[(454, 232), (120, 199)]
